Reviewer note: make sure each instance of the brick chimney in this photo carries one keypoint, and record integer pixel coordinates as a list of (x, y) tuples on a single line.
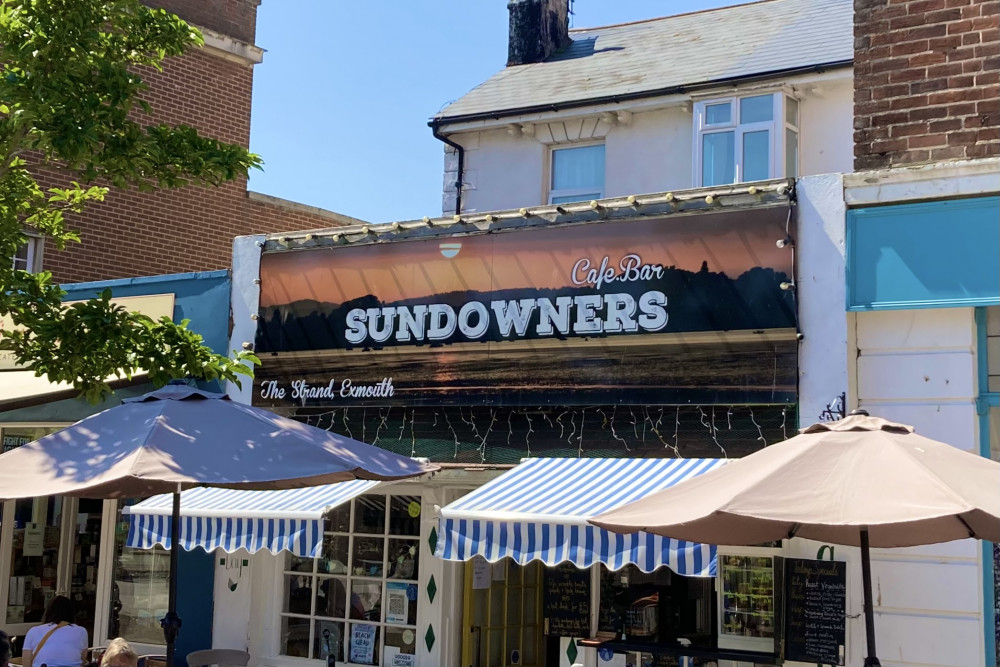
[(926, 81), (538, 28)]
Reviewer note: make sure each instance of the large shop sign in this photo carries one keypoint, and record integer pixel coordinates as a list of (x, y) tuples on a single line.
[(591, 311)]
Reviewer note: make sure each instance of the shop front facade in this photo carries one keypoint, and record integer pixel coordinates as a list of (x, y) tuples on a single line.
[(647, 338), (76, 547), (923, 301)]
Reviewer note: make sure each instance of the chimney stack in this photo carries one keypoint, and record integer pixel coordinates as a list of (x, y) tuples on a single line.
[(538, 28)]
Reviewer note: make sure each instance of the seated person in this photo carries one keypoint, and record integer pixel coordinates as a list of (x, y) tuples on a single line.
[(119, 654), (4, 649), (57, 642)]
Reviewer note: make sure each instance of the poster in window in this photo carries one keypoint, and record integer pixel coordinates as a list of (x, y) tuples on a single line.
[(397, 603), (362, 643), (481, 574), (34, 539)]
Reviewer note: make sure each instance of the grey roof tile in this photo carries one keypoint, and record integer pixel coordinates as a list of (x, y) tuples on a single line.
[(670, 52)]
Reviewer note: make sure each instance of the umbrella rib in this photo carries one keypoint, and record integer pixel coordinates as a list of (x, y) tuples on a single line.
[(972, 533)]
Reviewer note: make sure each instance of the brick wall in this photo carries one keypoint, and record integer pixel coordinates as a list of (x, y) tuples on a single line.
[(189, 229), (926, 81), (236, 18)]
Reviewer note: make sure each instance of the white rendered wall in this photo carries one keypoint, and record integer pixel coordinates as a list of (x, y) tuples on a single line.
[(649, 149), (919, 367), (821, 293)]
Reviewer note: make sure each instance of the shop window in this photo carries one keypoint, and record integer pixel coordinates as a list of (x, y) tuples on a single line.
[(742, 139), (655, 607), (140, 587), (993, 350), (358, 602), (577, 174), (748, 598)]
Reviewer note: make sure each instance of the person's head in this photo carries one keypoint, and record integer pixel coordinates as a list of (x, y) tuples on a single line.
[(118, 654), (4, 649), (60, 610)]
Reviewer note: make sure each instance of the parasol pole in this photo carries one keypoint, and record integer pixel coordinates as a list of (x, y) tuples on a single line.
[(866, 581), (171, 623)]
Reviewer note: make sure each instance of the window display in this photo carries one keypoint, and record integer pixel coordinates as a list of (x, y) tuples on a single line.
[(139, 589), (747, 601), (358, 603)]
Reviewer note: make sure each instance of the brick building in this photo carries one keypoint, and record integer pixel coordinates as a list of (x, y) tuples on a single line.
[(927, 81), (189, 229)]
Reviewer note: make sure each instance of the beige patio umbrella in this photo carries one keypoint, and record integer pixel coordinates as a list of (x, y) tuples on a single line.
[(861, 481)]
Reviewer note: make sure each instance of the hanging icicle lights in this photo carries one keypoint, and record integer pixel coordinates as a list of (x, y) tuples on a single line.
[(496, 434)]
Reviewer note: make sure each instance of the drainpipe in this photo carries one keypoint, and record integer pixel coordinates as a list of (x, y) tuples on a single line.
[(435, 130)]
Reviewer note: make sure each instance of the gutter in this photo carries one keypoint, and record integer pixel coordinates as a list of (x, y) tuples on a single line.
[(437, 123), (436, 131)]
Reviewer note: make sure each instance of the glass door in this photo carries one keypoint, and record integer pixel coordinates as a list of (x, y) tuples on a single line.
[(747, 601), (503, 614)]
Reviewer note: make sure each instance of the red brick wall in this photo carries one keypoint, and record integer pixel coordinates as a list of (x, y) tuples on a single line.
[(236, 18), (926, 81)]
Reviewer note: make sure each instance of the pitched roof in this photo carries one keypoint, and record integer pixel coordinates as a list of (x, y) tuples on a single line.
[(668, 54)]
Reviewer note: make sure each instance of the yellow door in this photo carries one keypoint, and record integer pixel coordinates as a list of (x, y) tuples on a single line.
[(503, 614)]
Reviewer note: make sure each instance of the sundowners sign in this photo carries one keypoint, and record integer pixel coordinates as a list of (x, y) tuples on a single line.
[(710, 272)]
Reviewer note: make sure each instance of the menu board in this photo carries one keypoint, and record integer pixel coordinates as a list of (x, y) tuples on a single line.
[(567, 601), (815, 611)]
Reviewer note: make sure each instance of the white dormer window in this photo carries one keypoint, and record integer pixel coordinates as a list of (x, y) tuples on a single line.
[(742, 139), (577, 174)]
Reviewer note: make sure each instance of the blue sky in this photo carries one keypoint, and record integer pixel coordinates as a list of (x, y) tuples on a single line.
[(342, 99)]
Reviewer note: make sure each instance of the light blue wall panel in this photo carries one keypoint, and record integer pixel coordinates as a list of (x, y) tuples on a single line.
[(928, 255)]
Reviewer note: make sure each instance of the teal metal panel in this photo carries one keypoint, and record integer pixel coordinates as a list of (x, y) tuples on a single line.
[(929, 255), (983, 403)]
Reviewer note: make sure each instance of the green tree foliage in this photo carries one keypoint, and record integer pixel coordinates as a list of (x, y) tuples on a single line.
[(71, 95)]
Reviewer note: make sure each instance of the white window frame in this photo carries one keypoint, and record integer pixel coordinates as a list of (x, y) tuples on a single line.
[(283, 571), (552, 194), (34, 255), (777, 126)]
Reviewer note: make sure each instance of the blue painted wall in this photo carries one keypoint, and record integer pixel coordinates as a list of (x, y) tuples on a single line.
[(202, 298), (928, 255)]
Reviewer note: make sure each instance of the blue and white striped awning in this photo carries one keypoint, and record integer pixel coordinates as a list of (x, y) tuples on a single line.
[(539, 511), (253, 520)]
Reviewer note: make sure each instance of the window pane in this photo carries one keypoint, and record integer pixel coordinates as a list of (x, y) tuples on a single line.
[(400, 603), (718, 158), (404, 557), (369, 556), (578, 168), (139, 591), (366, 600), (338, 520), (294, 637), (364, 644), (791, 152), (756, 165), (298, 591), (334, 559), (718, 114), (331, 597), (568, 199), (759, 109), (369, 514), (404, 515), (400, 641), (792, 111), (329, 640), (21, 258)]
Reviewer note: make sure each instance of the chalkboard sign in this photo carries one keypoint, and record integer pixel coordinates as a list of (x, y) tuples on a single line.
[(567, 601), (815, 611)]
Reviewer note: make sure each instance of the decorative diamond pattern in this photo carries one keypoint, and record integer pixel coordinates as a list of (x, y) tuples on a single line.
[(432, 589), (571, 651), (429, 637), (432, 539)]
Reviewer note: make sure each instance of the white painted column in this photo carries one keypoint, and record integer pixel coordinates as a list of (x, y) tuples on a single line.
[(245, 303), (821, 293)]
